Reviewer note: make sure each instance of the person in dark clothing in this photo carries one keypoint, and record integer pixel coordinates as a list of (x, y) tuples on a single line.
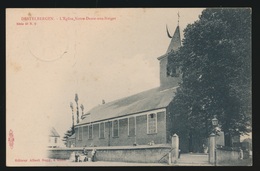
[(85, 153), (76, 157)]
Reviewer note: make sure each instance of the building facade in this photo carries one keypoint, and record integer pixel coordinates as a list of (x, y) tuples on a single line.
[(54, 138), (140, 119)]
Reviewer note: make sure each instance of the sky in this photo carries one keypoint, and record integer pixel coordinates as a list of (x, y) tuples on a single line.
[(111, 57)]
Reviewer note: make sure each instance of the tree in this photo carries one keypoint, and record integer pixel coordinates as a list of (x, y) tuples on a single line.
[(71, 106), (67, 134), (82, 109), (76, 100), (71, 130), (215, 62)]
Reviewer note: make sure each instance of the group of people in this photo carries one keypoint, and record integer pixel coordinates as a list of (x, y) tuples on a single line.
[(84, 156)]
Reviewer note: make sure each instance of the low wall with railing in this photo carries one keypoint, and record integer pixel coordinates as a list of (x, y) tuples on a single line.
[(144, 154)]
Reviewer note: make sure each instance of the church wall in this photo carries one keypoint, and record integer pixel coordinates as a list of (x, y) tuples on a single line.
[(96, 138), (123, 138), (142, 138), (85, 135)]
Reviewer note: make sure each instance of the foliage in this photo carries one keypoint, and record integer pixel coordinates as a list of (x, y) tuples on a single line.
[(215, 62), (67, 134)]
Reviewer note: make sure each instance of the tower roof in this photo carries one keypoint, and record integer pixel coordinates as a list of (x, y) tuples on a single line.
[(175, 41)]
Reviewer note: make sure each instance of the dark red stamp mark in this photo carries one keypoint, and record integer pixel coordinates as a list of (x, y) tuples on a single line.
[(11, 139)]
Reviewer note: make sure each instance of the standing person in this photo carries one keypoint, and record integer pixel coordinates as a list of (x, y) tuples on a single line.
[(76, 157), (179, 156), (241, 153), (93, 153), (85, 153)]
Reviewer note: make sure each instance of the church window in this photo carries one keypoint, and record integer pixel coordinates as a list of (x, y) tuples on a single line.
[(131, 126), (90, 132), (115, 128), (55, 140), (151, 123), (102, 130)]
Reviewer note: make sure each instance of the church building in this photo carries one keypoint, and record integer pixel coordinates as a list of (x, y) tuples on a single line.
[(139, 119)]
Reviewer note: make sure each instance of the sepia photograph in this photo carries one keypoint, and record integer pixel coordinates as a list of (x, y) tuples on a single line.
[(129, 87)]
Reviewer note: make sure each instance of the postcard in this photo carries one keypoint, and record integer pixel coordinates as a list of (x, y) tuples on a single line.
[(96, 87)]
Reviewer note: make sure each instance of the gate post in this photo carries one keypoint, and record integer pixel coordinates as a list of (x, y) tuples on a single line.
[(212, 147), (170, 158), (175, 146)]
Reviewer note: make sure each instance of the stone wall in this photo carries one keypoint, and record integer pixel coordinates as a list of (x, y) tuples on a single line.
[(142, 154), (226, 155)]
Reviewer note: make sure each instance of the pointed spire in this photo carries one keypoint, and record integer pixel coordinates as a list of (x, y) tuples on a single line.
[(176, 41), (176, 38)]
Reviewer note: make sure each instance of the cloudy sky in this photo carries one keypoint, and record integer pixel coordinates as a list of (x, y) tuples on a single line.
[(51, 60)]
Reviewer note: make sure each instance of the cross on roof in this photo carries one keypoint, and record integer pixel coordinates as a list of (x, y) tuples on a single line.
[(178, 17)]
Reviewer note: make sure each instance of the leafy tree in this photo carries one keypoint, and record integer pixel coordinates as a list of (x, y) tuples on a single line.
[(215, 62)]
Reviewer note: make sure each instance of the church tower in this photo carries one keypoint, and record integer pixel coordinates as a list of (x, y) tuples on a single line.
[(167, 81)]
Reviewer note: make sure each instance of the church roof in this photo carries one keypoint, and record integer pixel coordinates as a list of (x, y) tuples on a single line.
[(54, 133), (148, 100), (175, 41)]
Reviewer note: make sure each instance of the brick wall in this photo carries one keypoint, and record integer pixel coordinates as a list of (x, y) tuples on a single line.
[(124, 139), (159, 137)]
